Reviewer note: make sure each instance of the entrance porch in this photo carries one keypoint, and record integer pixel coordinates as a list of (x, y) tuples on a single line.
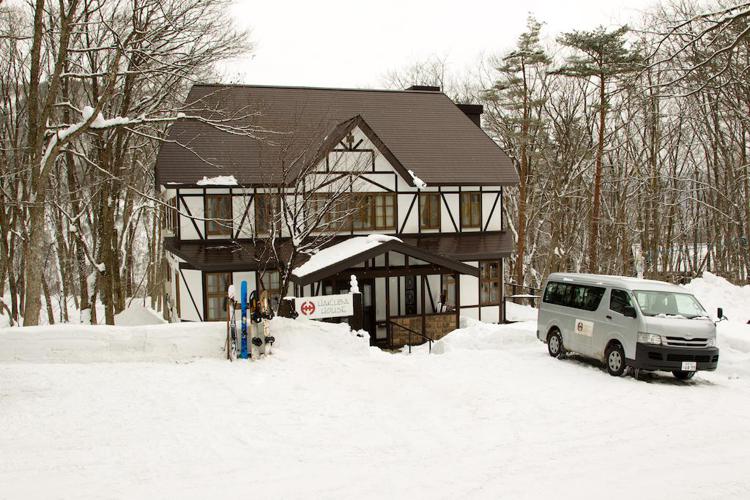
[(409, 296)]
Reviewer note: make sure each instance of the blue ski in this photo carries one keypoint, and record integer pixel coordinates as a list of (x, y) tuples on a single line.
[(243, 303)]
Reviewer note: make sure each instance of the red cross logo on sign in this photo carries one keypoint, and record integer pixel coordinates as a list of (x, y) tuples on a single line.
[(307, 308)]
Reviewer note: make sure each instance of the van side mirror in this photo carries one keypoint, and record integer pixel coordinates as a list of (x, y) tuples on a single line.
[(720, 313), (629, 311)]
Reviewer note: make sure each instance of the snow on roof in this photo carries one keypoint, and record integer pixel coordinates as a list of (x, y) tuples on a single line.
[(340, 251), (219, 180), (418, 183)]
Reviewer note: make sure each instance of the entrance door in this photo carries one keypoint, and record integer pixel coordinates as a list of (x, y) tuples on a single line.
[(410, 295), (367, 287)]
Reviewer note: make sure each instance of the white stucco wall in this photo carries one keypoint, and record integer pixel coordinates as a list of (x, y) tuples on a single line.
[(192, 280), (488, 199)]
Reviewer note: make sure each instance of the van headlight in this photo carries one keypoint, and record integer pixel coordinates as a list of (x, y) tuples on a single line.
[(711, 343), (649, 338)]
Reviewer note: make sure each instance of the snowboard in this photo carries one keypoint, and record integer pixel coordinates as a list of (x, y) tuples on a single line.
[(266, 315), (243, 309), (255, 340)]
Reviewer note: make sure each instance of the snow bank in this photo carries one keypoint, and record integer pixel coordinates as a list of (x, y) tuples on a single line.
[(300, 338), (219, 180), (475, 335), (137, 315), (315, 339), (714, 291), (92, 344), (520, 312)]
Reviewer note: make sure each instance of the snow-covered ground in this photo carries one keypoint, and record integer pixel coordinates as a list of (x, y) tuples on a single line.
[(488, 415)]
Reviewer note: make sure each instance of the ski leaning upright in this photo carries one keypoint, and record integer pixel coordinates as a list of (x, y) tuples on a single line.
[(243, 304)]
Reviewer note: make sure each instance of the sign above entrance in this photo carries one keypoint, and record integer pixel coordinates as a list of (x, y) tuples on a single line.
[(325, 306)]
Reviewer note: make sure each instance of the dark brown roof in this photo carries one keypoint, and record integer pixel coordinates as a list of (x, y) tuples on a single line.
[(424, 131), (241, 256)]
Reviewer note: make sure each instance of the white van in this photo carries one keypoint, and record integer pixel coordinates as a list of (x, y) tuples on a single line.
[(644, 324)]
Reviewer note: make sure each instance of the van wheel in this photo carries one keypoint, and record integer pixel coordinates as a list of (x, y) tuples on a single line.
[(681, 375), (555, 344), (615, 359)]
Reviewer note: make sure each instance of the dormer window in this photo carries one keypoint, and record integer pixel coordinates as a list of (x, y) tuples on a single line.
[(219, 215)]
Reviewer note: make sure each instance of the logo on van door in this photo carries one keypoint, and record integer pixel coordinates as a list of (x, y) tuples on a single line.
[(584, 327)]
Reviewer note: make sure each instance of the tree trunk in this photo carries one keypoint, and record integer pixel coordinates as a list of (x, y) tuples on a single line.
[(595, 212)]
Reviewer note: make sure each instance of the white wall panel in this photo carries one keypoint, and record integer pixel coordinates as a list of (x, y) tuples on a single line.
[(488, 199), (239, 204), (470, 312), (379, 299), (434, 290), (386, 180), (412, 222), (191, 280), (360, 185), (238, 277), (469, 290), (396, 259), (194, 204), (448, 207)]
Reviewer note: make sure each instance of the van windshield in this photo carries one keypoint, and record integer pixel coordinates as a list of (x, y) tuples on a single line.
[(669, 304)]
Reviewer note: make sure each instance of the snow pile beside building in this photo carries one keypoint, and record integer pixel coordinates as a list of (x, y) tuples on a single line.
[(138, 315), (475, 335), (93, 344), (171, 342), (309, 338), (520, 312)]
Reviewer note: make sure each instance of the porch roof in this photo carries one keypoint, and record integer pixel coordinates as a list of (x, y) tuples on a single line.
[(245, 255), (358, 249)]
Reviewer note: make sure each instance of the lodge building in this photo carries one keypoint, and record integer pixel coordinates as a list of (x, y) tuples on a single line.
[(419, 166)]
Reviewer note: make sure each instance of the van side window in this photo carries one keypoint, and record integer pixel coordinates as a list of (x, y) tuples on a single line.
[(577, 296), (619, 300)]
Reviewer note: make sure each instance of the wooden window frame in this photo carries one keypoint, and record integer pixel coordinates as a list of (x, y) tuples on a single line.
[(429, 200), (171, 218), (469, 222), (485, 277), (267, 215), (221, 294), (212, 227), (371, 199)]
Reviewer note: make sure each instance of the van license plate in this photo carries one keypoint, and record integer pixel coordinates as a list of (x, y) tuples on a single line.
[(689, 366)]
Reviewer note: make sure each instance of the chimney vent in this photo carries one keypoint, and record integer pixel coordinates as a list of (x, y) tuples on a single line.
[(473, 111)]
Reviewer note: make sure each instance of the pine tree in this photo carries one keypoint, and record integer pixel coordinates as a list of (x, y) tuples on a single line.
[(600, 55), (513, 94)]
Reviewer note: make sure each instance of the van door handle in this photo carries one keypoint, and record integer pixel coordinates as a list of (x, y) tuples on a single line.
[(609, 317)]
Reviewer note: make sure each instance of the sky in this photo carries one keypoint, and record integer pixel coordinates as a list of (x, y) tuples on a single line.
[(336, 43)]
